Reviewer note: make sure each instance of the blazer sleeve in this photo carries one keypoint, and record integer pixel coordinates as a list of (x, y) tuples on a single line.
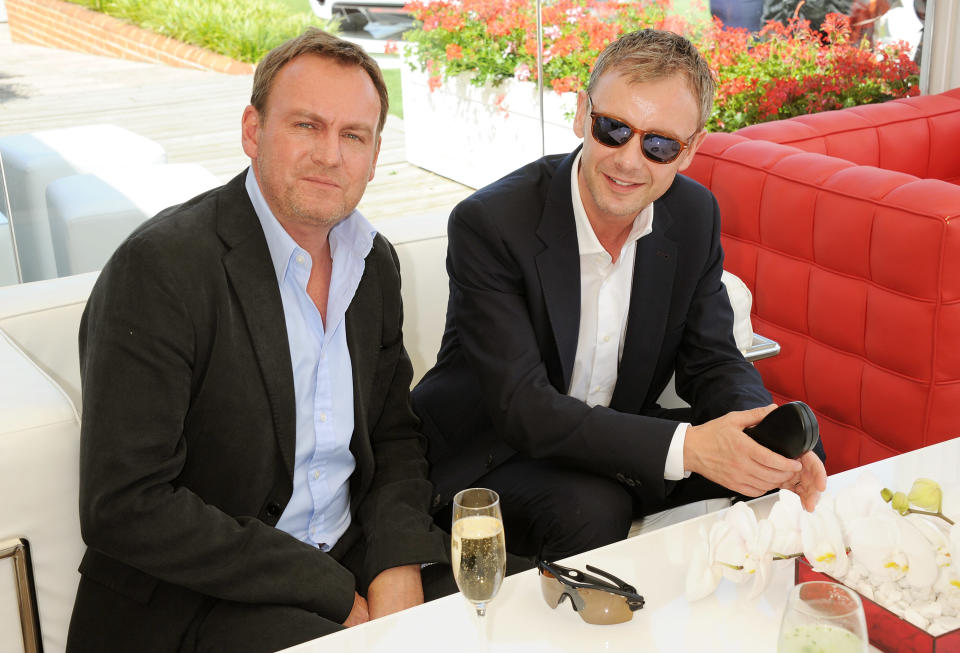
[(397, 527), (138, 345), (493, 297), (711, 373)]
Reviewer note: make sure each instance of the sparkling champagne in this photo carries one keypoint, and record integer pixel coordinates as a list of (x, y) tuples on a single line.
[(479, 556)]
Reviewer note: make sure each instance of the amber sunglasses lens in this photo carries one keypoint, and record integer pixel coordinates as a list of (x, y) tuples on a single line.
[(551, 589), (603, 608), (615, 133), (599, 607)]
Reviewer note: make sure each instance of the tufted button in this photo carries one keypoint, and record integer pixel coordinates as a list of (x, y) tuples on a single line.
[(273, 509), (490, 461)]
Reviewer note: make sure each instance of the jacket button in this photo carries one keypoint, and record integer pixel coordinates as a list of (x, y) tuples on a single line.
[(436, 501), (490, 461), (620, 477), (273, 509)]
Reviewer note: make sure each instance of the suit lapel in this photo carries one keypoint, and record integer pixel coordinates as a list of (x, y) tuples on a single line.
[(653, 273), (254, 280), (559, 267), (364, 324)]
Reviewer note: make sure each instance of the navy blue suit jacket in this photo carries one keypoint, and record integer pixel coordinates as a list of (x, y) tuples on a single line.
[(500, 382)]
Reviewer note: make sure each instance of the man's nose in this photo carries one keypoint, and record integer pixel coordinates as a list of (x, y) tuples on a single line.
[(629, 156), (326, 149)]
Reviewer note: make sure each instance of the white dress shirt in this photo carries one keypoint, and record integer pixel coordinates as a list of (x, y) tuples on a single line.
[(605, 287)]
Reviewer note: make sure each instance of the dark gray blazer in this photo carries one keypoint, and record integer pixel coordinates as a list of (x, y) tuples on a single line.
[(187, 443), (500, 382)]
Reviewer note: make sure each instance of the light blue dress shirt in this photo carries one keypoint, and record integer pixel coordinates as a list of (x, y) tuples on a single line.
[(319, 509)]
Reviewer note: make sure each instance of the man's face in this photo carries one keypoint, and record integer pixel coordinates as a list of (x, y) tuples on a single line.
[(617, 183), (315, 147)]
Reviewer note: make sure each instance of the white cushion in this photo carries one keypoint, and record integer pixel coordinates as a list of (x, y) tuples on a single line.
[(421, 244), (31, 161), (8, 267), (43, 319), (39, 481), (92, 213)]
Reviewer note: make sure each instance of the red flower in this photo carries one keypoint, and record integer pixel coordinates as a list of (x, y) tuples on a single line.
[(454, 51)]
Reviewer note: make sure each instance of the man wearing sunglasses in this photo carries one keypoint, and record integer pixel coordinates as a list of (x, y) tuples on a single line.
[(578, 284)]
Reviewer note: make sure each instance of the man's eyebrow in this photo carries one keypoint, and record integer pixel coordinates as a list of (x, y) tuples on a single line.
[(316, 117)]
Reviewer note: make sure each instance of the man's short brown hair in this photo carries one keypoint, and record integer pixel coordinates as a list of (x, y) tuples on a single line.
[(318, 42), (649, 55)]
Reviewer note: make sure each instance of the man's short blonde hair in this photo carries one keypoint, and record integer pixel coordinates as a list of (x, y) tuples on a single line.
[(649, 55)]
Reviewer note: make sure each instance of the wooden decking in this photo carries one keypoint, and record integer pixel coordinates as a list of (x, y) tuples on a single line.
[(194, 115)]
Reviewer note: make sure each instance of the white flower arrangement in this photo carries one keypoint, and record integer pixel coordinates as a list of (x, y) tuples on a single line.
[(906, 559)]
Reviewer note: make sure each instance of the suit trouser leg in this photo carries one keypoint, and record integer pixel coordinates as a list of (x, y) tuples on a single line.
[(555, 511), (249, 628)]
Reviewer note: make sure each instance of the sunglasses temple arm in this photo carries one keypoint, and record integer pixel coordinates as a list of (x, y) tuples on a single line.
[(621, 584)]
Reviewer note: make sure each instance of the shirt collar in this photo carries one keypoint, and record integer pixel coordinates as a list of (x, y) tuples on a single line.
[(353, 232), (586, 238)]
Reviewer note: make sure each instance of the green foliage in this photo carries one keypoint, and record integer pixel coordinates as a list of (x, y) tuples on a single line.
[(392, 78), (240, 30)]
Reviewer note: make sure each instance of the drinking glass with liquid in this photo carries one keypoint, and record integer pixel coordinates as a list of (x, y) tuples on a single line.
[(823, 617), (478, 549)]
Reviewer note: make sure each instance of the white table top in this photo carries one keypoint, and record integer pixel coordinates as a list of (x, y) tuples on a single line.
[(518, 620)]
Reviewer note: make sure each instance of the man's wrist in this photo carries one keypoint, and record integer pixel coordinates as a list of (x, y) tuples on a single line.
[(675, 468)]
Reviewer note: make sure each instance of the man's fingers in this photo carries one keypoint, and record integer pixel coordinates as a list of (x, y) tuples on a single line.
[(745, 418)]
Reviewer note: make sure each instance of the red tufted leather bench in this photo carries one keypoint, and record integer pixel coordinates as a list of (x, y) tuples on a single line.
[(855, 269)]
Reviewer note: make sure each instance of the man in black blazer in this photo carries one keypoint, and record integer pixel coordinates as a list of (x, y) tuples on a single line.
[(192, 441), (578, 285)]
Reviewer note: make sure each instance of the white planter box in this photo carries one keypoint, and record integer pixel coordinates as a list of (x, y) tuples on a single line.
[(458, 131)]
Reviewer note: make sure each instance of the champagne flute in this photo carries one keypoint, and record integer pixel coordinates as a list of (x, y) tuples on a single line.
[(478, 549), (825, 617)]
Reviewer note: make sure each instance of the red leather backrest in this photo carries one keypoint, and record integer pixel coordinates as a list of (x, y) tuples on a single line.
[(919, 135), (855, 271)]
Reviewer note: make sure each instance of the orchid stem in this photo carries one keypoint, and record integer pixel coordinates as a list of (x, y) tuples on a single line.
[(942, 516)]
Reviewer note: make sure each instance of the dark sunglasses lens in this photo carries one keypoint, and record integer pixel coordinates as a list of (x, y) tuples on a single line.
[(611, 132), (660, 148)]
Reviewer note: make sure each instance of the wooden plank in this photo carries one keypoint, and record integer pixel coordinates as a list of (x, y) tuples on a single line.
[(194, 115)]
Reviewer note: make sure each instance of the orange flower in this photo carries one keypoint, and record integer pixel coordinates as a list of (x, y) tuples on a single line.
[(454, 51)]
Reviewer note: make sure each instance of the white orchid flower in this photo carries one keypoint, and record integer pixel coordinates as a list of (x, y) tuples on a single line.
[(704, 574), (893, 548), (862, 499), (785, 519), (953, 573), (744, 550), (822, 537)]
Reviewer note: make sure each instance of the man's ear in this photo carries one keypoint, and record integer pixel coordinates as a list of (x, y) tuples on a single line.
[(376, 155), (691, 150), (250, 131), (578, 123)]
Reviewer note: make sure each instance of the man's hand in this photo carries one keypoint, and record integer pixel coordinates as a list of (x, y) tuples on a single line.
[(358, 614), (722, 452), (810, 481), (395, 589)]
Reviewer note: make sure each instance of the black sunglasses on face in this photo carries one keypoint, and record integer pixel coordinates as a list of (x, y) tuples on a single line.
[(613, 132), (600, 601)]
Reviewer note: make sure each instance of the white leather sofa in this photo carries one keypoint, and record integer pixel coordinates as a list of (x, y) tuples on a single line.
[(31, 161), (40, 403), (8, 266)]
